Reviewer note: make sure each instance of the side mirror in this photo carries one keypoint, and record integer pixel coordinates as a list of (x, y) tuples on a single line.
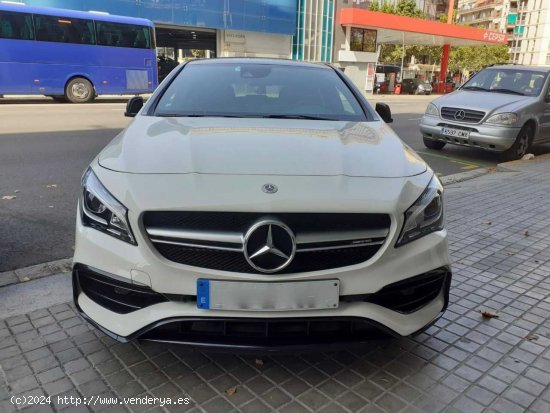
[(384, 111), (133, 106), (547, 97)]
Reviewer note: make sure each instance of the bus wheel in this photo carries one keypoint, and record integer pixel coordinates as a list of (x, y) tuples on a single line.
[(79, 90)]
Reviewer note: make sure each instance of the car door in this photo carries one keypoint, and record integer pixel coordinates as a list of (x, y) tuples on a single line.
[(544, 113)]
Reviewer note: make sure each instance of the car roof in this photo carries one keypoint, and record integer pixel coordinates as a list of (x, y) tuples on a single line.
[(260, 61), (542, 69)]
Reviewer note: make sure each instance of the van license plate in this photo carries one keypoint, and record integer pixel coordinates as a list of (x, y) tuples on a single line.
[(455, 133)]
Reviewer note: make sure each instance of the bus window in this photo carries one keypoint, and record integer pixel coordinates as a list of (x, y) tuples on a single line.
[(64, 29), (123, 35), (15, 26)]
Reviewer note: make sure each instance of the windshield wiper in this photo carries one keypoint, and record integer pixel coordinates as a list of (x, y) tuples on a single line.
[(213, 115), (195, 115), (515, 92), (474, 88), (307, 117)]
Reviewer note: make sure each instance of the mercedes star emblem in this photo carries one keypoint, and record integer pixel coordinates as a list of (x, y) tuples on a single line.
[(270, 188), (460, 114), (269, 246)]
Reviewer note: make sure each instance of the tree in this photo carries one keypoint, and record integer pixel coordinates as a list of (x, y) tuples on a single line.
[(474, 58), (409, 8)]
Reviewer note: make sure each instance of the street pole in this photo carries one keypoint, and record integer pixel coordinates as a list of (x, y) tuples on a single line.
[(446, 51)]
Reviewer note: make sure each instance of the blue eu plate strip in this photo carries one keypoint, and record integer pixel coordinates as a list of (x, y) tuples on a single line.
[(203, 294)]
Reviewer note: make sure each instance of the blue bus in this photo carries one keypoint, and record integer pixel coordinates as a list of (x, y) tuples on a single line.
[(72, 55)]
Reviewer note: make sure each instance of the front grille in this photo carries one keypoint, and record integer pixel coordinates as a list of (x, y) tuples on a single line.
[(470, 116), (271, 333), (215, 240), (234, 261), (241, 221)]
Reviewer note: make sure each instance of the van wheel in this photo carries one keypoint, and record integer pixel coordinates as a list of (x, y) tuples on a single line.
[(79, 90), (431, 144), (521, 145)]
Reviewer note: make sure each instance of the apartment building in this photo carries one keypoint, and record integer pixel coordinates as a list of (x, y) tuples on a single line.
[(527, 23), (486, 14)]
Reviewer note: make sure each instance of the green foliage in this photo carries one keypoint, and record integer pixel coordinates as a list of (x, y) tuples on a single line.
[(374, 6), (473, 58), (408, 8)]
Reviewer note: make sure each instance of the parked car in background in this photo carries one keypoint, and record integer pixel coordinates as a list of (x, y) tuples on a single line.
[(502, 108), (259, 204), (416, 87)]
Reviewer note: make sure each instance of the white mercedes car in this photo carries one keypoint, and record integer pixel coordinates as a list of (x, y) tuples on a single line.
[(262, 205)]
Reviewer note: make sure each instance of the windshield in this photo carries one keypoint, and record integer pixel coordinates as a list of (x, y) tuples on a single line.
[(259, 90), (513, 81)]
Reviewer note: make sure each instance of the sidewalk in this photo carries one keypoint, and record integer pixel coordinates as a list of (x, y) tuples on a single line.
[(499, 226)]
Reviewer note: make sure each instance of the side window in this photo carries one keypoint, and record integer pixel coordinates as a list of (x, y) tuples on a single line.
[(123, 35), (64, 29), (16, 26)]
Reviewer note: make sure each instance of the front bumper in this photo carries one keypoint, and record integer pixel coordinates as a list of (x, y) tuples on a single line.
[(494, 138), (169, 288), (106, 300)]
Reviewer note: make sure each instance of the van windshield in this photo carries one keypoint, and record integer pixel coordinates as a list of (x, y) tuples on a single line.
[(512, 81)]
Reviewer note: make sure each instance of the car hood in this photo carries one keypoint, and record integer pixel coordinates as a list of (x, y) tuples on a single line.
[(152, 145), (482, 101)]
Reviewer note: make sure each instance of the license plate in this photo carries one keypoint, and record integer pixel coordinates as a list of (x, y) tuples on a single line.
[(455, 133), (267, 296)]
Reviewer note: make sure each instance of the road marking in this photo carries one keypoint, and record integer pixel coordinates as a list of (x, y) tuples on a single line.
[(467, 164), (415, 118)]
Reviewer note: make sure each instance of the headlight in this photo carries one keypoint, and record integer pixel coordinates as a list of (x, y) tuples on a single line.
[(102, 211), (431, 110), (425, 215), (507, 119)]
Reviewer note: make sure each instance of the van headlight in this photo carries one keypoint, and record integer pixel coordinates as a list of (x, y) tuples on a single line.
[(102, 211), (431, 110), (425, 215), (505, 119)]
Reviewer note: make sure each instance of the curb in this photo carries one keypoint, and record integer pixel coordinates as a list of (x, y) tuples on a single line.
[(34, 272), (465, 176)]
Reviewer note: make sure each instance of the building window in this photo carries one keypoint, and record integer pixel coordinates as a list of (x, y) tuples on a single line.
[(363, 40)]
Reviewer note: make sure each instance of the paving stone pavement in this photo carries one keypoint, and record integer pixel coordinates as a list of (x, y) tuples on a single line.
[(499, 228)]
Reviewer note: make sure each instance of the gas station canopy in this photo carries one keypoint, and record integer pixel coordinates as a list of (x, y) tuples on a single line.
[(394, 29)]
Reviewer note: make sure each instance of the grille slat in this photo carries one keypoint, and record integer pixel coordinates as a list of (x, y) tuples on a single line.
[(470, 116), (320, 255)]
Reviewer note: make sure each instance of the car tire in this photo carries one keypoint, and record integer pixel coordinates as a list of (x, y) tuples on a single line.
[(79, 90), (521, 145), (431, 144)]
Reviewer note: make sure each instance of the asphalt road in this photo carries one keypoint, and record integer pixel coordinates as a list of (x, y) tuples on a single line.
[(45, 147)]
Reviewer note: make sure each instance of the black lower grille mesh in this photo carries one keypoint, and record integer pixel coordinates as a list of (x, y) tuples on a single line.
[(271, 333), (114, 295), (235, 261)]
